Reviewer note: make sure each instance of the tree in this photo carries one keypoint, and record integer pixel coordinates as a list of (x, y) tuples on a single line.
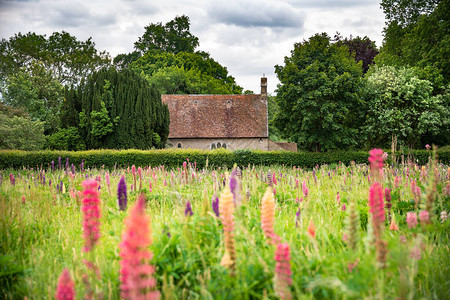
[(173, 37), (68, 59), (319, 105), (362, 49), (186, 73), (402, 109), (20, 133), (38, 92), (416, 34), (119, 110)]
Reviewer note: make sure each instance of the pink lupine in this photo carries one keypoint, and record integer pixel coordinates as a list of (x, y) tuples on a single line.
[(66, 287), (376, 204), (424, 217), (91, 214), (304, 188), (283, 273), (397, 181), (411, 219), (136, 272), (376, 161)]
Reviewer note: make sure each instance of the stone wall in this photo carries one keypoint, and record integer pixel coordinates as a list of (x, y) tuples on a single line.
[(274, 146), (230, 143)]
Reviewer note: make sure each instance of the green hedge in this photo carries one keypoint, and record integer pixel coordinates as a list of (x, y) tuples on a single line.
[(175, 158)]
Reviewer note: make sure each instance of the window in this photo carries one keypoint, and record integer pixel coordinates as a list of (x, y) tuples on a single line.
[(224, 146), (219, 145), (213, 146), (179, 145)]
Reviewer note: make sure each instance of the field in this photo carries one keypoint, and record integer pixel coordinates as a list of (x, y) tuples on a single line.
[(320, 238)]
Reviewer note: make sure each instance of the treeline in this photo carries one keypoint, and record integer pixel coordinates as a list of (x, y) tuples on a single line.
[(338, 93), (61, 93)]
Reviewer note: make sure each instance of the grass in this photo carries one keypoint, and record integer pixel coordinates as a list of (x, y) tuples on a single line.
[(41, 234)]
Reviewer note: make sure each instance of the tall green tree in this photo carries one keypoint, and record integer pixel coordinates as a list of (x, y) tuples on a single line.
[(318, 100), (172, 37), (119, 110), (362, 49), (402, 109), (20, 132), (68, 59), (417, 34)]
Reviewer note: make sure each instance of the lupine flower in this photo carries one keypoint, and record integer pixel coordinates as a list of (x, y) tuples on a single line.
[(283, 273), (444, 216), (23, 199), (59, 162), (424, 217), (122, 193), (298, 217), (376, 159), (67, 164), (411, 219), (352, 265), (428, 147), (136, 272), (215, 205), (338, 198), (376, 204), (66, 287), (387, 195), (393, 226), (91, 214), (343, 208), (311, 229), (133, 172), (226, 207), (397, 181), (274, 179), (304, 188), (268, 216), (150, 186), (53, 166), (234, 187), (108, 183), (188, 210), (72, 169), (12, 179)]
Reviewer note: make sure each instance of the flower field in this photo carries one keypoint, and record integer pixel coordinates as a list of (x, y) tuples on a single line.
[(360, 231)]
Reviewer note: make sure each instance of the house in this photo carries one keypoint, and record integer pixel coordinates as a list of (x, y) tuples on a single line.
[(221, 121)]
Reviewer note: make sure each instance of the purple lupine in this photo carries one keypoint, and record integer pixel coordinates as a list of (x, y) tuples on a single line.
[(72, 169), (67, 164), (53, 166), (234, 187), (188, 210), (297, 218), (122, 193), (49, 182), (215, 205), (59, 162)]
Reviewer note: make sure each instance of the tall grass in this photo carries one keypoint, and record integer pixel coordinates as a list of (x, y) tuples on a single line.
[(41, 233)]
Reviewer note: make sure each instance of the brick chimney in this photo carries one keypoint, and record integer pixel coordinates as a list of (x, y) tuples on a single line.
[(264, 87)]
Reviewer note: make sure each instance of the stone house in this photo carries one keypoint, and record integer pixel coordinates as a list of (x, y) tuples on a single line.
[(221, 121)]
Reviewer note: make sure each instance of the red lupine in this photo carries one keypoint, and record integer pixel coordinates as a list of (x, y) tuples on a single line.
[(91, 214), (66, 287), (283, 273), (136, 271)]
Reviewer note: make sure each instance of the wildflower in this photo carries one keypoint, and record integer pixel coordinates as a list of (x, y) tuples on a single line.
[(338, 198), (444, 216), (122, 194), (12, 179), (411, 219), (424, 217), (304, 188), (136, 272), (59, 162), (226, 207), (188, 210), (150, 186), (353, 265), (311, 229), (376, 204), (387, 195), (268, 216), (283, 273), (215, 205), (351, 234), (65, 289), (376, 162), (107, 179), (397, 180), (91, 214), (53, 166), (234, 187), (343, 208), (393, 226), (23, 199), (428, 147), (415, 253), (297, 217)]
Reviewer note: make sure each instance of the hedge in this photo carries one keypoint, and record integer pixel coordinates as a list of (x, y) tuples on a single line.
[(174, 158)]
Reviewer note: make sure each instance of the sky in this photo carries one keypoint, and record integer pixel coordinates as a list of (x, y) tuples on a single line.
[(248, 37)]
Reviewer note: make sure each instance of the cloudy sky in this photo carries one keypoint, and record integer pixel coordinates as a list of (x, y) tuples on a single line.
[(249, 37)]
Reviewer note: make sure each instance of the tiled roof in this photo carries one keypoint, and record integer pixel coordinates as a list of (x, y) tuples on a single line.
[(217, 116)]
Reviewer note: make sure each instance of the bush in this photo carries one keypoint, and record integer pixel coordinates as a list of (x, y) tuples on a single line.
[(216, 158)]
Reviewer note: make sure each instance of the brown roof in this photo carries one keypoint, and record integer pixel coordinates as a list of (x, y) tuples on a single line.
[(216, 116)]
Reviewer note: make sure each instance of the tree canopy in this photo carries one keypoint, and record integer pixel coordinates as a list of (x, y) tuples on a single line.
[(318, 95), (362, 49), (172, 37)]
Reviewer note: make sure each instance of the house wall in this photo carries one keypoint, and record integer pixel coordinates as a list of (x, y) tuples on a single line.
[(232, 144), (275, 146)]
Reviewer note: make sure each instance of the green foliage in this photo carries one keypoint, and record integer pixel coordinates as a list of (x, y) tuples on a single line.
[(38, 92), (184, 73), (67, 59), (319, 104), (117, 110), (66, 139), (402, 105), (21, 133), (417, 35), (361, 49), (216, 158), (173, 37)]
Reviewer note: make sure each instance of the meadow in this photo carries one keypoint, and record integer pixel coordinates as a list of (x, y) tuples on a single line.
[(287, 232)]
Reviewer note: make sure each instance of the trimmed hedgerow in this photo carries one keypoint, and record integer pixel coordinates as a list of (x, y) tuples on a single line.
[(175, 157)]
